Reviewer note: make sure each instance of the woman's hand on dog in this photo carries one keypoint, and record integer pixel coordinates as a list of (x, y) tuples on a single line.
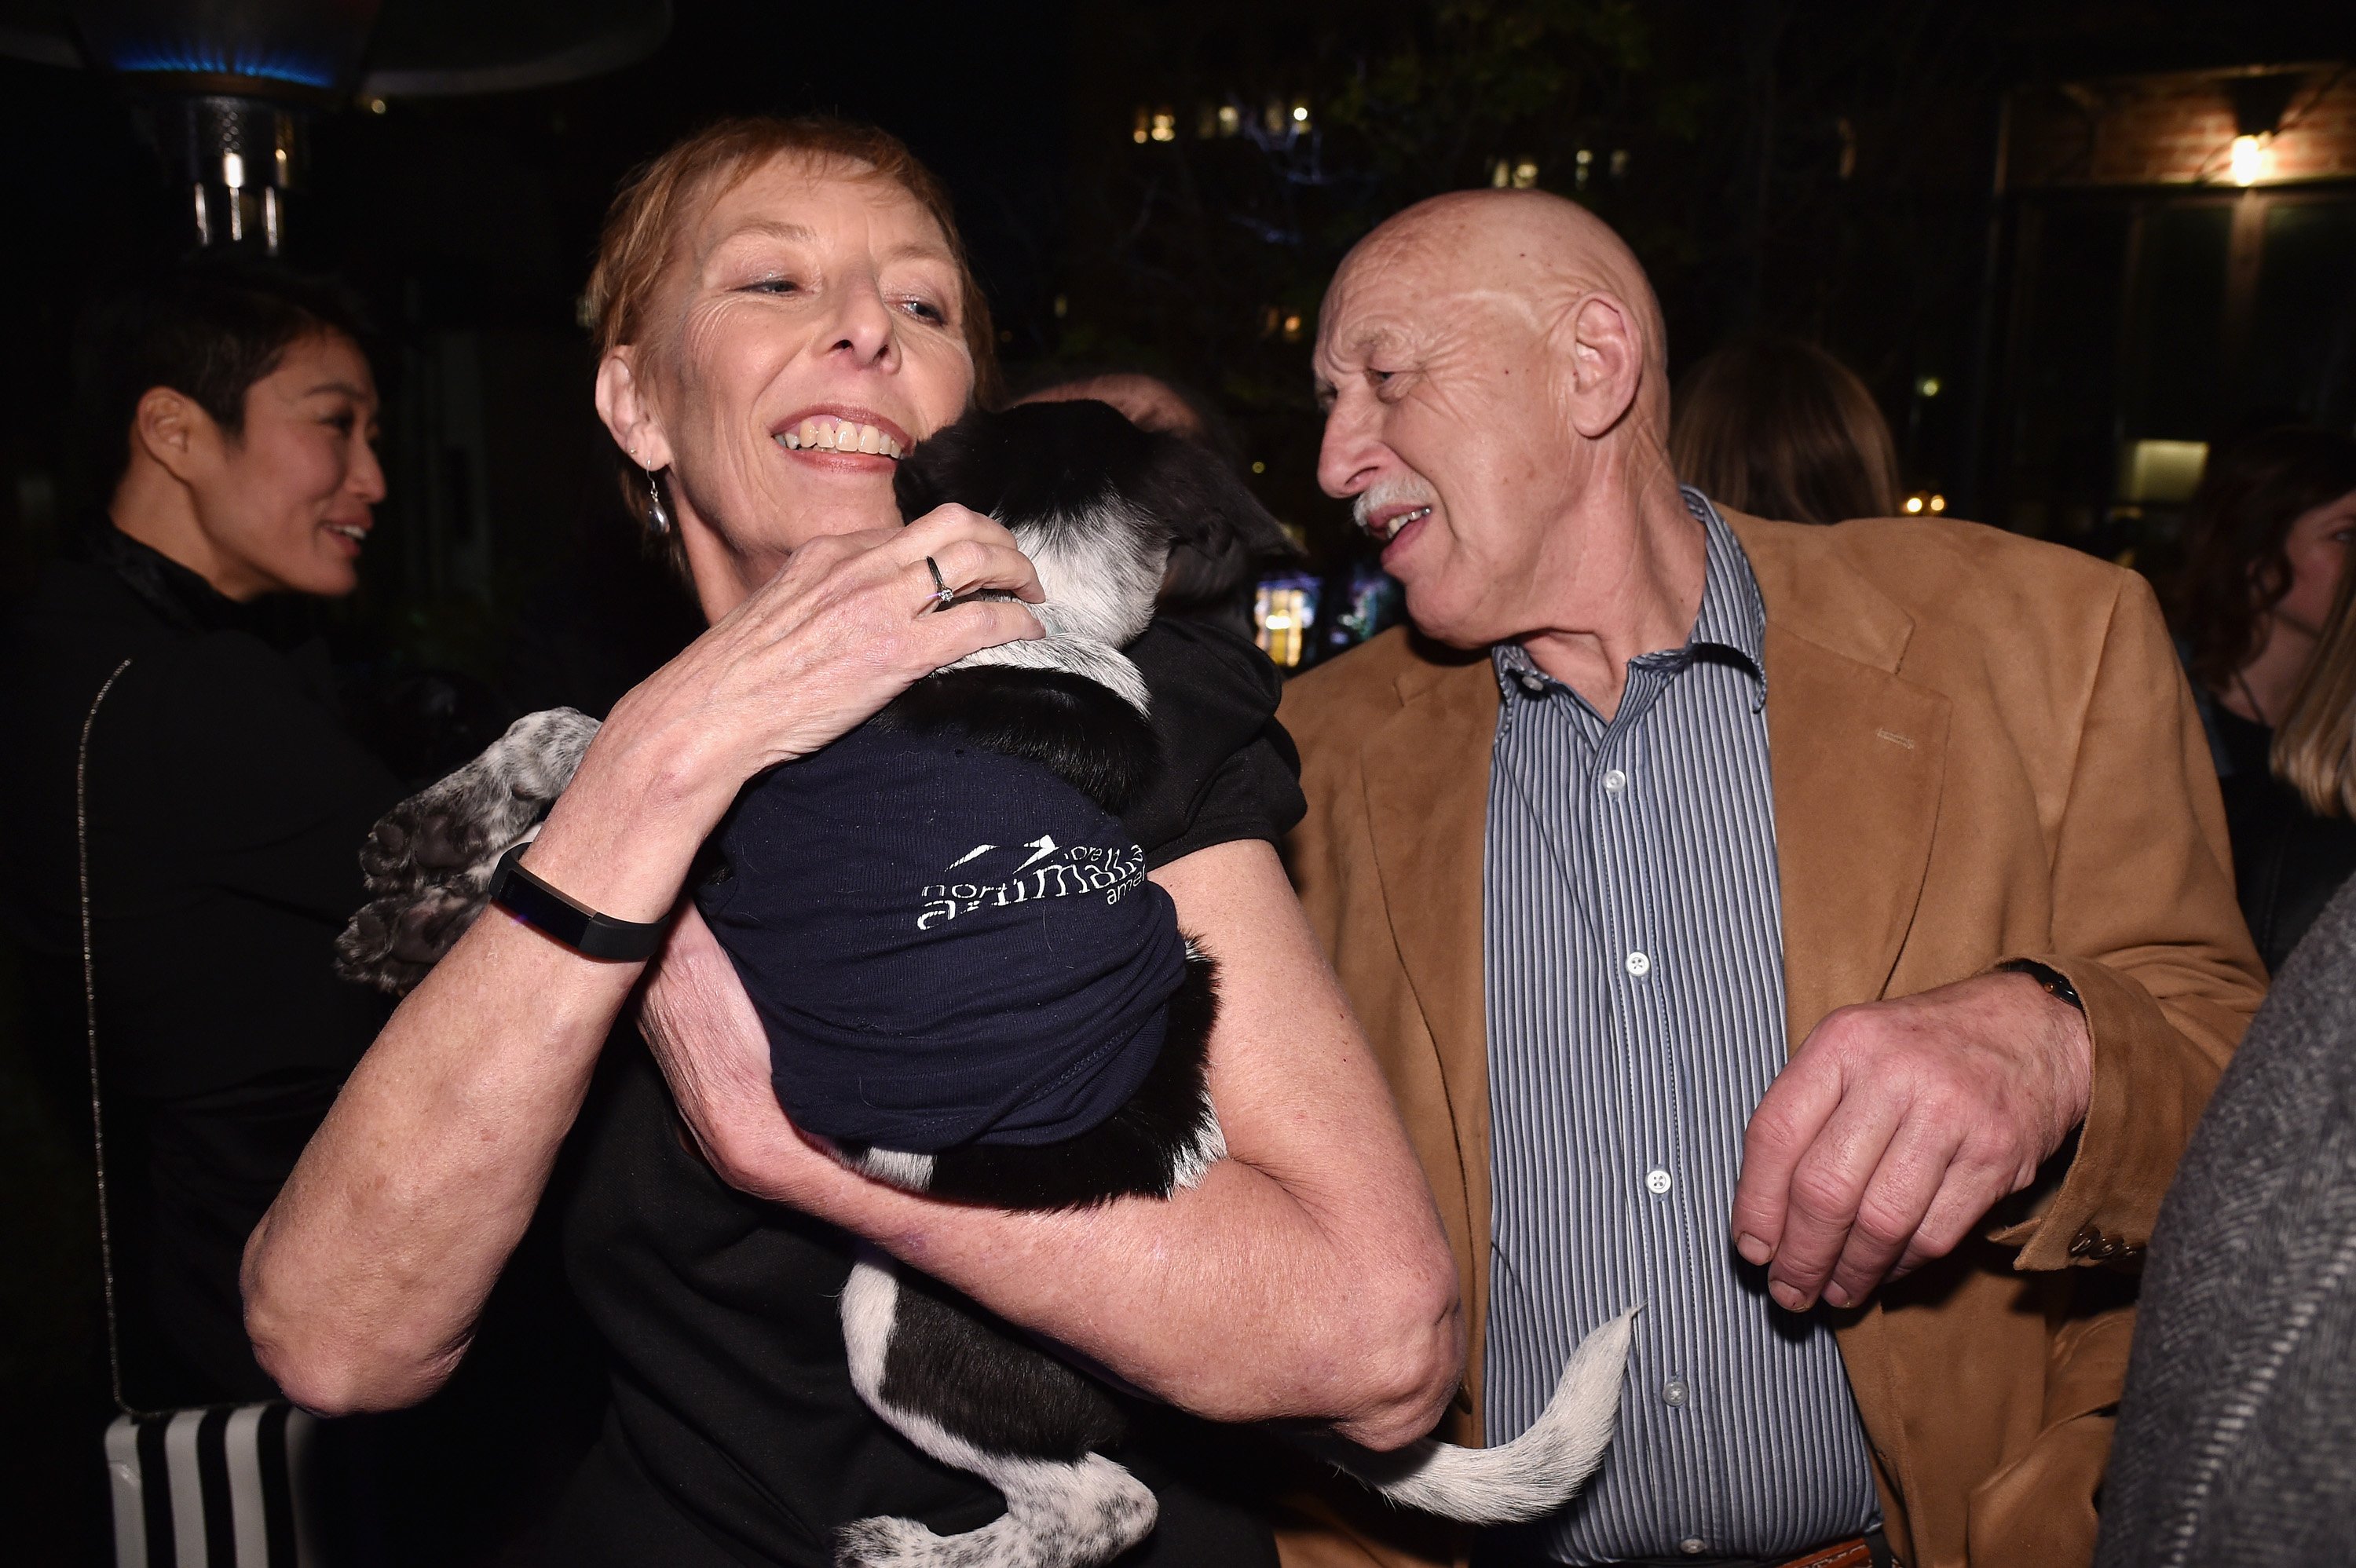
[(846, 625)]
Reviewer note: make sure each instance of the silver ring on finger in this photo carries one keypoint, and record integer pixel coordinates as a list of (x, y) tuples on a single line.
[(942, 595)]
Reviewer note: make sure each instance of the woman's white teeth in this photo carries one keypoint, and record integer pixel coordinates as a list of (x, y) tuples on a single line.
[(838, 436), (357, 536)]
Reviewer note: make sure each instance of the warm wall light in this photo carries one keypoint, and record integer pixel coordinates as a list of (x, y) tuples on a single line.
[(1526, 175), (2250, 158), (1165, 125), (2166, 472), (1938, 503), (1913, 504)]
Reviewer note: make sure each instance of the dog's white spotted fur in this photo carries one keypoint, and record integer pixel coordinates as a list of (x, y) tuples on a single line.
[(1098, 599), (427, 864), (1083, 657), (1057, 1515)]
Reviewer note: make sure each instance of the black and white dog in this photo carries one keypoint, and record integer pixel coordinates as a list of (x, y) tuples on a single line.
[(1096, 506)]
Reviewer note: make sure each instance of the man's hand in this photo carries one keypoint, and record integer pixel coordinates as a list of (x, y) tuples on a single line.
[(1898, 1124)]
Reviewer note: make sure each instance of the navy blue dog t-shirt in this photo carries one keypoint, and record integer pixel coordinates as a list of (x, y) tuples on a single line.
[(945, 944)]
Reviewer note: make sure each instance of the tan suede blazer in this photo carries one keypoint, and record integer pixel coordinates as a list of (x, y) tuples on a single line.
[(1981, 747)]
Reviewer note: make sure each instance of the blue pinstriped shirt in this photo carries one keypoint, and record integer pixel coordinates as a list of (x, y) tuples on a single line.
[(1634, 956)]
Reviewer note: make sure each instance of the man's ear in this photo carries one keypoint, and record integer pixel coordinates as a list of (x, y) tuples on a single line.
[(1605, 355), (628, 413), (175, 432)]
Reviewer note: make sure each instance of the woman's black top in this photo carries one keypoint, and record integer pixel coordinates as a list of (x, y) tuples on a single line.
[(735, 1436), (227, 804), (2288, 861)]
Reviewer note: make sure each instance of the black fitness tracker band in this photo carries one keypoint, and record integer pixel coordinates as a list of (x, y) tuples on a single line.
[(587, 933), (2056, 983)]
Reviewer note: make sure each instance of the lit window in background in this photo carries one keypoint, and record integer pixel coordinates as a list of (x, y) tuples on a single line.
[(1165, 125), (1926, 386), (1292, 329), (1144, 131), (1376, 603), (1619, 162), (1231, 119), (1586, 162), (2162, 471), (1924, 501), (1282, 611), (2252, 159), (1526, 175)]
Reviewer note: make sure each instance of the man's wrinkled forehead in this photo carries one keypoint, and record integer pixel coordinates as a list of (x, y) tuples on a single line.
[(1377, 310)]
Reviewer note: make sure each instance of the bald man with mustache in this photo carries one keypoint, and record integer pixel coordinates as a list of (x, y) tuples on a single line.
[(1822, 937)]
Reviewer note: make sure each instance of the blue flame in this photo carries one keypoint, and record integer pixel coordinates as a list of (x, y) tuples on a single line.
[(213, 60)]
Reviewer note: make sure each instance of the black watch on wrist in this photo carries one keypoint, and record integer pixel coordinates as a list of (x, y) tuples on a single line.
[(592, 936), (2056, 983)]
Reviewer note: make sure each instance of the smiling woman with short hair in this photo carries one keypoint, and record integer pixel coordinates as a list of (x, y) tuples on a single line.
[(782, 308), (229, 412)]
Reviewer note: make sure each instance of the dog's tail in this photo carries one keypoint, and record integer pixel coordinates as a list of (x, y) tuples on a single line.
[(1535, 1474)]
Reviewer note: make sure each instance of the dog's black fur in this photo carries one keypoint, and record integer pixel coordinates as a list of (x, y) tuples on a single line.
[(1096, 504)]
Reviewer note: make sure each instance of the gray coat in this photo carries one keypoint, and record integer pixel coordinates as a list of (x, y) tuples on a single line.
[(2236, 1440)]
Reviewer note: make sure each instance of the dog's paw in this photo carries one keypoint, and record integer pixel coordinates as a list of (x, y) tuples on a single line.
[(393, 941), (476, 812), (428, 862)]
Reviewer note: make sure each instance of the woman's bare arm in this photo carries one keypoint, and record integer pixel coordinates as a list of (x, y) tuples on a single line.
[(1306, 1276), (363, 1282)]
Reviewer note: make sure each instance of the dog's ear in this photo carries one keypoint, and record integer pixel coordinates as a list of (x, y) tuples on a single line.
[(1205, 502), (1221, 534)]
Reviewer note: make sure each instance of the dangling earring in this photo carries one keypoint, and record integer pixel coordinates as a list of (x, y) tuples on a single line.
[(657, 509)]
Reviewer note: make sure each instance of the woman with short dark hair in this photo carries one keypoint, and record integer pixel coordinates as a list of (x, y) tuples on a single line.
[(227, 414)]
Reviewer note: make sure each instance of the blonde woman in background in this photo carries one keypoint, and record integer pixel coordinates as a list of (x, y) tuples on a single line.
[(2300, 857), (2265, 547)]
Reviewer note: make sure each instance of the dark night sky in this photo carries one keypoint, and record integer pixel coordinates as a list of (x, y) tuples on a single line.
[(480, 214)]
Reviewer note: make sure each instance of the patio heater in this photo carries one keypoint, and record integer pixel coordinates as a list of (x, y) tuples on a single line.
[(227, 88)]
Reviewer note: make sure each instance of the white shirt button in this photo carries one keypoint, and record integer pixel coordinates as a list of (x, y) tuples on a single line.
[(1658, 1182), (1614, 782), (1533, 684), (1639, 964), (1693, 1546), (1675, 1392)]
